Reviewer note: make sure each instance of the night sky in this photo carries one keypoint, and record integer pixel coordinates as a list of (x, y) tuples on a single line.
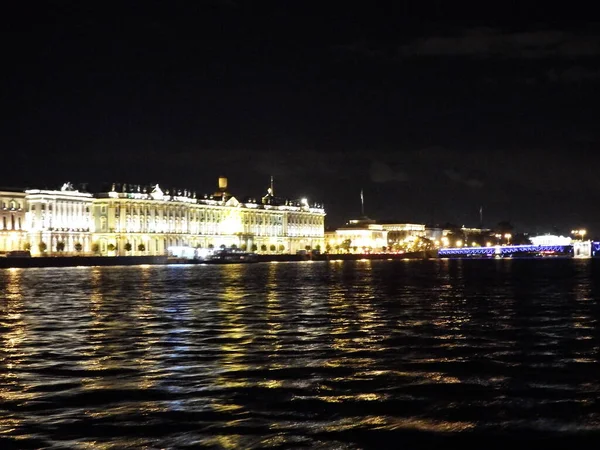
[(434, 110)]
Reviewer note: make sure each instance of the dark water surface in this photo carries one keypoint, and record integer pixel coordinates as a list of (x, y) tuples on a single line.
[(366, 354)]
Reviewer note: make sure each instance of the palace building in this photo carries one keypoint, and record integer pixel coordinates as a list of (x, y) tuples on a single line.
[(13, 234), (136, 220), (150, 220), (59, 220)]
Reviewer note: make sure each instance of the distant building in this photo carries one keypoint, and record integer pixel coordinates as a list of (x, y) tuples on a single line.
[(136, 220), (435, 234), (582, 249), (154, 220), (549, 239), (401, 232), (13, 233), (475, 231), (358, 235), (59, 220), (454, 236)]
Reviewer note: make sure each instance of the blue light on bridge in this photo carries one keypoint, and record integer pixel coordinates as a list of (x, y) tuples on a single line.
[(507, 250)]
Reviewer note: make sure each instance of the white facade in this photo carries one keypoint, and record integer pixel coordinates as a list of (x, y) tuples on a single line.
[(59, 221), (414, 229), (13, 230), (398, 233), (143, 222), (549, 239), (137, 221), (359, 235), (582, 249)]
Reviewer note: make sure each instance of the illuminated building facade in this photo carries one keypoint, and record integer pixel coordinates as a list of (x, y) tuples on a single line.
[(136, 220), (13, 234), (131, 220), (367, 235), (549, 239), (59, 220), (358, 236), (398, 233)]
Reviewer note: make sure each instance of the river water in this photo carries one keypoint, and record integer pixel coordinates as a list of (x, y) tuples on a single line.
[(346, 355)]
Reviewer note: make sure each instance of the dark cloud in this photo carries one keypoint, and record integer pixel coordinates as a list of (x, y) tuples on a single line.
[(474, 183), (487, 42), (575, 74), (359, 50), (435, 154), (460, 177), (381, 172)]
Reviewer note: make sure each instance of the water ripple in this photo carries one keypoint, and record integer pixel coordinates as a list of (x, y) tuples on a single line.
[(302, 355)]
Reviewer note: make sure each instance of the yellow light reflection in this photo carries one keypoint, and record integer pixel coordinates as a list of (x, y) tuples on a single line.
[(396, 423), (229, 441), (273, 315), (145, 311), (109, 335), (355, 323), (366, 397), (14, 322), (237, 338)]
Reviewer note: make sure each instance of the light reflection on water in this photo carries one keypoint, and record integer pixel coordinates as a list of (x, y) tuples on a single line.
[(340, 354)]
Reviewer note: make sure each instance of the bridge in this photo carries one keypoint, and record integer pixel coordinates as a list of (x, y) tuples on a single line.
[(505, 250)]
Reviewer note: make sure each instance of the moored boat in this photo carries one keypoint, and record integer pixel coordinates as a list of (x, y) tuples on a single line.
[(229, 256)]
